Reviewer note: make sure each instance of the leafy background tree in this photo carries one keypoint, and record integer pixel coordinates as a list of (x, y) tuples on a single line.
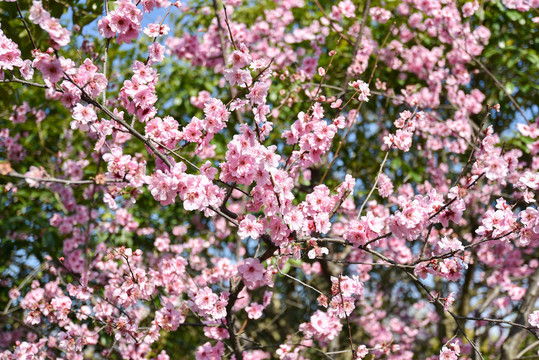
[(505, 71)]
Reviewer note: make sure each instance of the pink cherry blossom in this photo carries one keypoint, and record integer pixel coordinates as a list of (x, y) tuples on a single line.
[(251, 271), (362, 88), (250, 227), (533, 319)]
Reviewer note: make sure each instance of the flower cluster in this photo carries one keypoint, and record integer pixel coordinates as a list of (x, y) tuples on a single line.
[(246, 207), (405, 124), (322, 326), (124, 22), (138, 94), (196, 191), (202, 131), (38, 15), (10, 56), (238, 76), (450, 352), (313, 134)]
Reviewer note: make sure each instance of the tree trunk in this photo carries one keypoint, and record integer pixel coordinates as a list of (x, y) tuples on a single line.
[(516, 335)]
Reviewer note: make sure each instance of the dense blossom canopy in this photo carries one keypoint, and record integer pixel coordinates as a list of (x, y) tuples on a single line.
[(287, 179)]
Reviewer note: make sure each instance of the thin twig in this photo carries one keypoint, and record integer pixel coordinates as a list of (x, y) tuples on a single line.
[(25, 25), (62, 181), (229, 31), (357, 111), (347, 320), (298, 280), (357, 43), (346, 38), (374, 185), (492, 76), (105, 60), (24, 282), (24, 82)]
